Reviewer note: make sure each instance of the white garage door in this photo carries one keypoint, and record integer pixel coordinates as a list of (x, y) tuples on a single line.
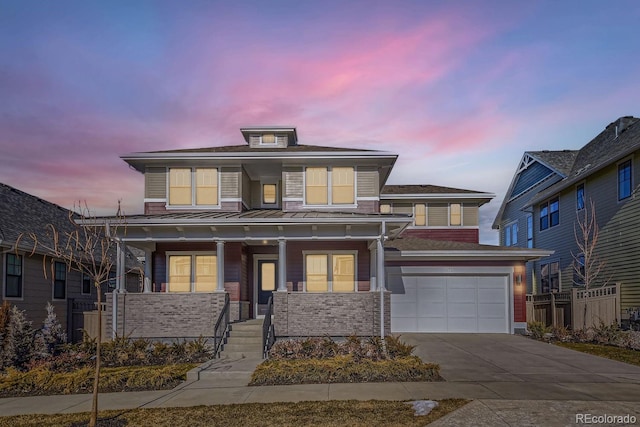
[(449, 304)]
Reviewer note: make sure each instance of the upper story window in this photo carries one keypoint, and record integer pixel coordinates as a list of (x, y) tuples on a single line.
[(86, 285), (268, 139), (13, 276), (455, 214), (530, 231), (269, 194), (511, 234), (385, 208), (580, 197), (193, 187), (550, 213), (624, 180), (420, 214), (60, 280), (335, 184)]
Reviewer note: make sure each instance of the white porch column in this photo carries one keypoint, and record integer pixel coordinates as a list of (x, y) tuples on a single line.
[(220, 265), (120, 267), (373, 267), (148, 270), (282, 265), (380, 264)]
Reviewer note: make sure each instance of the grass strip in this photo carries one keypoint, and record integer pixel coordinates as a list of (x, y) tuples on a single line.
[(610, 352), (328, 413)]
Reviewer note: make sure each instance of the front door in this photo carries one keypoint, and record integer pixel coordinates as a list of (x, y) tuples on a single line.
[(267, 279)]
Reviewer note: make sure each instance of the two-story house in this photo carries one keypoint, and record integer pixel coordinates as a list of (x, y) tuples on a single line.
[(316, 229), (552, 190)]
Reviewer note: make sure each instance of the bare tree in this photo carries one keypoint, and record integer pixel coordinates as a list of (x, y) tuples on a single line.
[(587, 265), (86, 245)]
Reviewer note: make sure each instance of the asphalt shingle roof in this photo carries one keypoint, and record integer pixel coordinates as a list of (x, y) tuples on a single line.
[(562, 161), (417, 244), (424, 189), (248, 149)]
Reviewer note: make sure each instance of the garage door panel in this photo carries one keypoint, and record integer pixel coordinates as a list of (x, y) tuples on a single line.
[(451, 304)]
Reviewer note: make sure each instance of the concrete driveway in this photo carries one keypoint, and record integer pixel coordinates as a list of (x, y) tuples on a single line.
[(501, 366)]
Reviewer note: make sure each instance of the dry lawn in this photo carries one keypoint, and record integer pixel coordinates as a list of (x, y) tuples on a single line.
[(610, 352), (326, 414)]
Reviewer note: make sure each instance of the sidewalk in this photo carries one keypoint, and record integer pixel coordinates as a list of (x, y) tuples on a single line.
[(496, 402)]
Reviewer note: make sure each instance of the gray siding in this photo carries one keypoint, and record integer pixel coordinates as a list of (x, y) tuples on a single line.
[(293, 181), (155, 183), (230, 183), (368, 183), (255, 194)]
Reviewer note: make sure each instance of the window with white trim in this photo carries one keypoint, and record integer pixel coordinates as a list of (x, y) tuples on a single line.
[(13, 276), (419, 214), (330, 186), (580, 197), (188, 272), (59, 280), (624, 180), (193, 187), (455, 214), (330, 272)]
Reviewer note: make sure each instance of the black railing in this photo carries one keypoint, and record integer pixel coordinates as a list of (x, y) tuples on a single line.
[(268, 332), (221, 329)]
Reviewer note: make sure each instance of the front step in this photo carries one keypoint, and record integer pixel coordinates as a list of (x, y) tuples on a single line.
[(244, 341)]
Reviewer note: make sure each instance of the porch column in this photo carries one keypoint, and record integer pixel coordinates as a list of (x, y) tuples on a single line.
[(120, 267), (373, 267), (220, 265), (380, 263), (148, 270), (282, 265)]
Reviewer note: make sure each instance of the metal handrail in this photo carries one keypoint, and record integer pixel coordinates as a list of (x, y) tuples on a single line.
[(221, 329), (268, 331)]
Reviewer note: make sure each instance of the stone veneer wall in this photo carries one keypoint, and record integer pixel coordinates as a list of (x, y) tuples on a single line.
[(165, 315), (303, 314)]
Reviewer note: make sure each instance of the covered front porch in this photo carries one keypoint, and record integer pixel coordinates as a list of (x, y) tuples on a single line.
[(326, 276)]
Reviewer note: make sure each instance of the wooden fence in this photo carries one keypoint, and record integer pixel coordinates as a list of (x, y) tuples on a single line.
[(567, 308), (83, 316)]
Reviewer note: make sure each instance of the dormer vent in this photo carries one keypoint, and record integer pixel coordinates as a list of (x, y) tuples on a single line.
[(270, 137)]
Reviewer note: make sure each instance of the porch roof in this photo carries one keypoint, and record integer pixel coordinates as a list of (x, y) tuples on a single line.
[(412, 248)]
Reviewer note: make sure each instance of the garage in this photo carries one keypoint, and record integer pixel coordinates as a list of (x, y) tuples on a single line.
[(423, 302)]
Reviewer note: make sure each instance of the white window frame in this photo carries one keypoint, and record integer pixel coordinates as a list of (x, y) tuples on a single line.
[(4, 277), (461, 214), (273, 181), (193, 255), (426, 215), (193, 204), (329, 254), (53, 281), (329, 188)]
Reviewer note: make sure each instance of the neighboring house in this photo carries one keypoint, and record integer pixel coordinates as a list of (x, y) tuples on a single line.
[(551, 189), (25, 283), (316, 228)]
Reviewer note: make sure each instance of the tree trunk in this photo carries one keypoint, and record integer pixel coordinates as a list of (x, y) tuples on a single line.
[(93, 422)]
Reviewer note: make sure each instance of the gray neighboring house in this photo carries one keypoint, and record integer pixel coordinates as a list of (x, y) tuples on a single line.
[(551, 188), (22, 277)]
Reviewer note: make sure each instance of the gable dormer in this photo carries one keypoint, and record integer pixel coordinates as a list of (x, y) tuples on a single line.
[(261, 137)]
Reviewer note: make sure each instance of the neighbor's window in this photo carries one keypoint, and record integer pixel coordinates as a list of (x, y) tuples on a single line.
[(268, 194), (550, 213), (530, 231), (624, 180), (420, 214), (511, 234), (199, 270), (181, 186), (59, 280), (342, 186), (316, 189), (550, 277), (13, 277), (86, 284), (580, 197), (330, 272), (455, 214), (578, 270)]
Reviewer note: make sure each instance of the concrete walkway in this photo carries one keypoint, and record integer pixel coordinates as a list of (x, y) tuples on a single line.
[(500, 398)]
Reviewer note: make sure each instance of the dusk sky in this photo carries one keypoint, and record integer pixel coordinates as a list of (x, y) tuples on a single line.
[(459, 89)]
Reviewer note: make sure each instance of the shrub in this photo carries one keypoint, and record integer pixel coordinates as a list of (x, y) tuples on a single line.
[(53, 335), (343, 369), (561, 333), (538, 329), (19, 342), (606, 334), (397, 348)]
